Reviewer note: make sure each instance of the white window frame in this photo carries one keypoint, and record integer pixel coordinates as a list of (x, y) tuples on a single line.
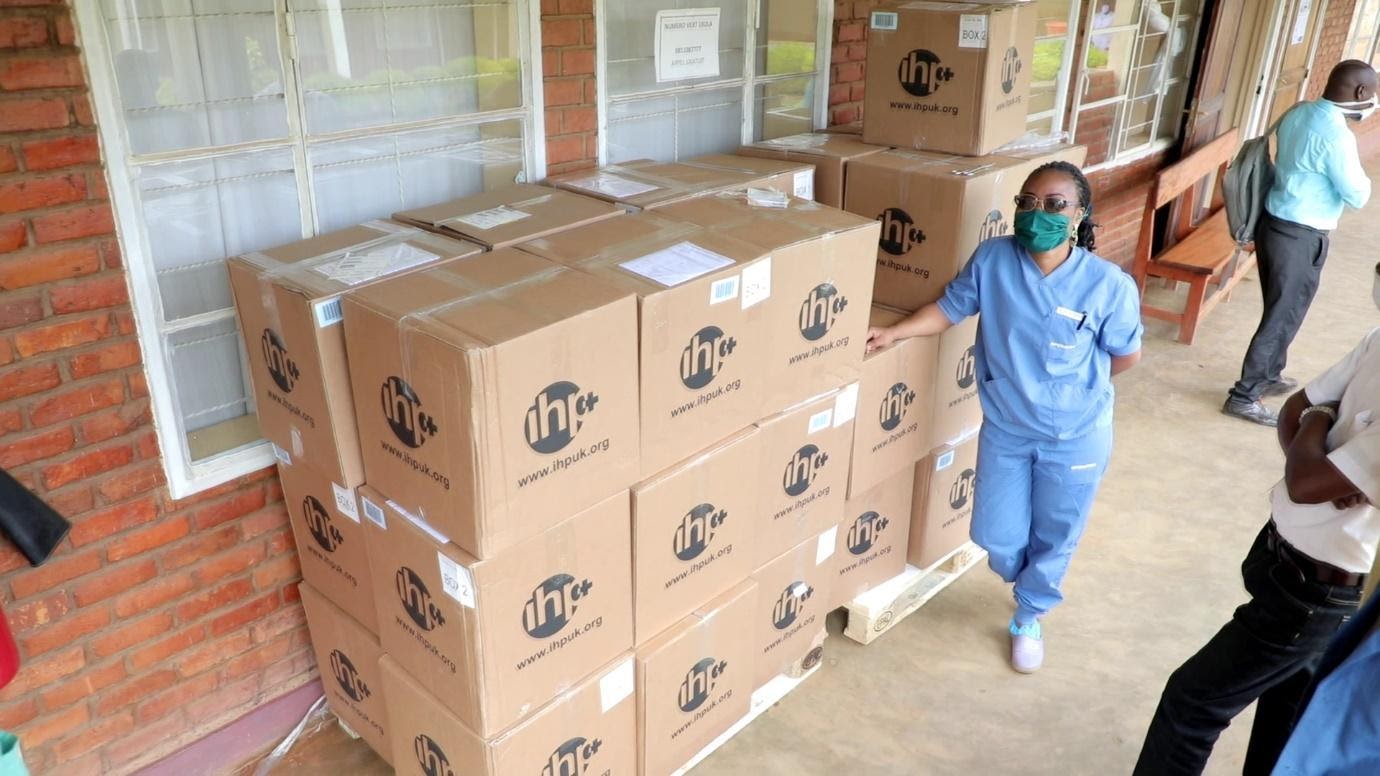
[(1353, 33), (185, 477), (1059, 114), (749, 80), (1123, 156)]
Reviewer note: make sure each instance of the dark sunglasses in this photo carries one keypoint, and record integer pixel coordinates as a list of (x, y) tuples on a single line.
[(1028, 202)]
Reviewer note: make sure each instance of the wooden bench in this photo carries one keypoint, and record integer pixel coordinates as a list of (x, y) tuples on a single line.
[(1200, 255)]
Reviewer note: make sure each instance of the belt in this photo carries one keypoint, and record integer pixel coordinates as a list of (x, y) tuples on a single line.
[(1315, 570)]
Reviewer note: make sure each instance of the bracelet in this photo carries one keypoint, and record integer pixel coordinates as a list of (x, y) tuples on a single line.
[(1321, 409)]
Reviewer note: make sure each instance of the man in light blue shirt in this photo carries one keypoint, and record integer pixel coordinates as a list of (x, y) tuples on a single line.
[(1317, 173)]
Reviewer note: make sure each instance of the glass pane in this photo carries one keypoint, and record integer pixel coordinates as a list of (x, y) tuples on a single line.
[(1171, 111), (396, 62), (630, 48), (197, 213), (356, 180), (1095, 131), (1138, 122), (209, 379), (1041, 127), (191, 75), (785, 108), (786, 37), (1107, 65), (1053, 17), (676, 127)]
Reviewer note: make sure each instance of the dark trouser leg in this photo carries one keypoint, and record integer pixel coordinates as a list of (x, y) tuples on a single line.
[(1290, 259), (1280, 632), (1275, 713)]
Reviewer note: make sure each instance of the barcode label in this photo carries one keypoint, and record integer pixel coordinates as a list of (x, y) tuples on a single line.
[(723, 290), (882, 20), (283, 456), (945, 461), (820, 421), (328, 313), (345, 502), (375, 514)]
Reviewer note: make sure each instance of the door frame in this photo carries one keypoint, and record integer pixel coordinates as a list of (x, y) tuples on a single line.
[(1261, 100)]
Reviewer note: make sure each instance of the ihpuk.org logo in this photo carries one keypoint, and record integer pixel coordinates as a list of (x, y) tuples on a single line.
[(319, 523), (790, 604), (894, 406), (280, 365), (899, 232), (993, 225), (696, 530), (704, 357), (821, 308), (864, 532), (416, 600), (403, 410), (1010, 68), (431, 757), (348, 677), (699, 682), (921, 73), (552, 604), (572, 758), (556, 416), (802, 468), (965, 374), (962, 489)]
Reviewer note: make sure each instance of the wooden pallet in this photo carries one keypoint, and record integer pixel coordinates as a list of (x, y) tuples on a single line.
[(879, 609)]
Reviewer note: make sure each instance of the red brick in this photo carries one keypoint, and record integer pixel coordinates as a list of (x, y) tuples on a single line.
[(94, 294), (125, 636), (589, 32), (12, 236), (82, 110), (19, 73), (111, 249), (77, 402), (284, 621), (577, 61), (36, 447), (86, 465), (556, 32), (72, 501), (238, 506), (584, 119), (152, 595), (6, 352), (230, 563), (37, 613), (54, 573), (591, 91), (170, 530), (857, 90), (32, 193), (214, 493), (109, 425), (30, 114), (281, 542), (8, 161), (111, 582), (857, 52), (178, 697), (565, 149), (144, 739), (94, 737), (845, 114), (84, 686), (74, 223), (259, 658), (848, 72), (52, 153), (549, 7), (160, 651), (66, 33), (141, 479), (11, 558), (838, 94), (550, 62), (59, 336), (291, 593), (44, 672), (851, 31), (26, 381), (262, 522), (277, 572), (225, 701), (135, 690), (17, 310), (138, 385), (215, 653), (245, 614), (51, 726), (198, 606), (108, 522), (44, 267), (15, 714), (200, 546), (11, 421), (65, 631), (564, 91)]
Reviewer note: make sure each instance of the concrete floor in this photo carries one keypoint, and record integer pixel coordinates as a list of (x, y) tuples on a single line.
[(1156, 576)]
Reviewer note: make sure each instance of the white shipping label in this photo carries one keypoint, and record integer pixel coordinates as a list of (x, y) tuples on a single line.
[(944, 461), (884, 20), (361, 266), (283, 456), (972, 31), (804, 184), (375, 514), (677, 264), (768, 198), (456, 580), (723, 290), (328, 312), (827, 541), (493, 217), (846, 405), (611, 185), (617, 685), (345, 502), (757, 283), (820, 421), (687, 44)]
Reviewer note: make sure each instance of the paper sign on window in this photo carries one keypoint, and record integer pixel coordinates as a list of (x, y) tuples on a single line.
[(687, 44)]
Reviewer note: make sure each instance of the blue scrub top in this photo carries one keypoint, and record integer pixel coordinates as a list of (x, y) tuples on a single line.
[(1045, 344)]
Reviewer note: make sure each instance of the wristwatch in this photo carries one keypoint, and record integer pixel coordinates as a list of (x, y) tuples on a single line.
[(1321, 409)]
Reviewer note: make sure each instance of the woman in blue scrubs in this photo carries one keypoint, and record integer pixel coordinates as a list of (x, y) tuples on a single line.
[(1057, 323)]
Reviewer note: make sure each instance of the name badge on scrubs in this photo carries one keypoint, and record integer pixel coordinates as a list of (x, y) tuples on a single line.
[(1072, 315)]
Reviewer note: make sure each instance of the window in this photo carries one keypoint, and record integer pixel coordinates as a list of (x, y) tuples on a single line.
[(1365, 30), (1053, 63), (237, 125), (1134, 84), (771, 79)]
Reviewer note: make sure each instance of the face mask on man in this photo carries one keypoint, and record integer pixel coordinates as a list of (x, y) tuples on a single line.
[(1358, 111)]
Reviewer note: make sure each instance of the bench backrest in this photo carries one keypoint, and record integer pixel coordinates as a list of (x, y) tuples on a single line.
[(1183, 174)]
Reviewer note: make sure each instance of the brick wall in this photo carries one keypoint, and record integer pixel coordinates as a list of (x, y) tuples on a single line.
[(156, 621), (848, 61), (1336, 28), (567, 60)]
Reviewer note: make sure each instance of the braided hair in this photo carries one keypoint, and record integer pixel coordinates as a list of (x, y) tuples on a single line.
[(1085, 238)]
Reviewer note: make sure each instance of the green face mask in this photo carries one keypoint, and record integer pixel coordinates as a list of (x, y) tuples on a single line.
[(1039, 231)]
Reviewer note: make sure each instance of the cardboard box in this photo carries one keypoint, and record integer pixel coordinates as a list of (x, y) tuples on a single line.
[(645, 184), (508, 216), (694, 526), (288, 303), (348, 656), (933, 211), (804, 471), (829, 153), (498, 394), (1063, 152), (330, 540), (896, 406), (942, 510), (703, 345), (793, 598), (495, 639), (590, 728), (695, 680), (948, 77), (851, 128), (821, 286), (957, 413), (872, 539), (792, 177)]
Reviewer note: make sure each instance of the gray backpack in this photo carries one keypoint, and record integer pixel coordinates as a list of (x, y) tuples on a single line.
[(1247, 182)]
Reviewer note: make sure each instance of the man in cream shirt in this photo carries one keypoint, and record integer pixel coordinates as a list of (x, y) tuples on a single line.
[(1305, 574)]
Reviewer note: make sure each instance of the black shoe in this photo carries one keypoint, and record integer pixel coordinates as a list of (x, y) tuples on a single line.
[(1280, 387), (1253, 411)]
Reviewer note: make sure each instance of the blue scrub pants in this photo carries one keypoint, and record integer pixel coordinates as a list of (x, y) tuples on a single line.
[(1031, 505)]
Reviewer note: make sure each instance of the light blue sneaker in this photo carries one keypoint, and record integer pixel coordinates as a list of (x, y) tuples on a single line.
[(1027, 647)]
